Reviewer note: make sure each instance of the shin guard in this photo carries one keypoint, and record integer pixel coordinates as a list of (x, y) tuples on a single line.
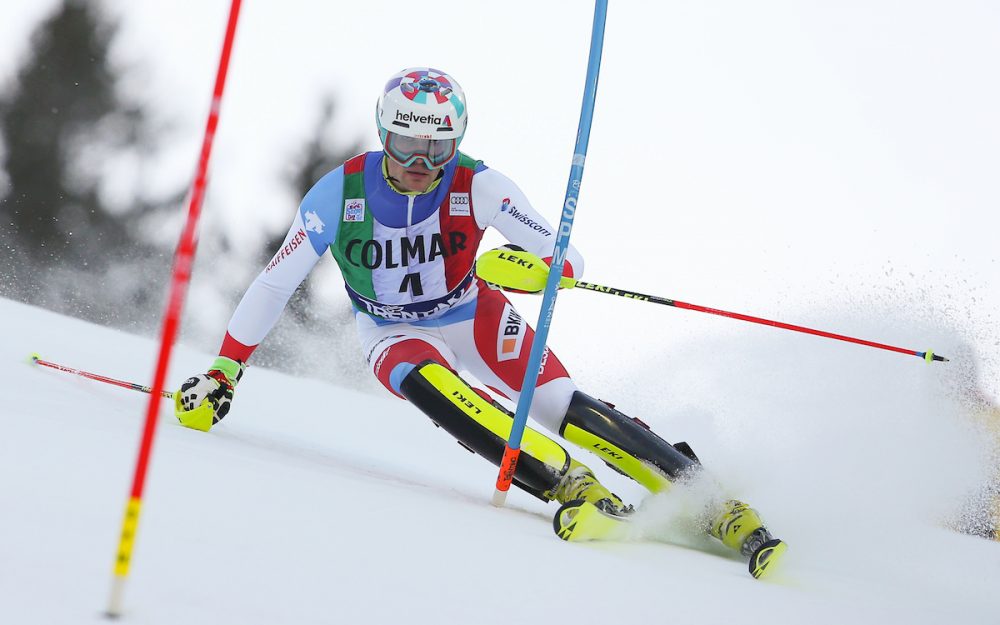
[(483, 427), (625, 444)]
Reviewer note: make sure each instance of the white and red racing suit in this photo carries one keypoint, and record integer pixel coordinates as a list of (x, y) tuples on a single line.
[(408, 261)]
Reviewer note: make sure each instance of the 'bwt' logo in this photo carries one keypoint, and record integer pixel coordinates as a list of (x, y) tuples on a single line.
[(510, 334)]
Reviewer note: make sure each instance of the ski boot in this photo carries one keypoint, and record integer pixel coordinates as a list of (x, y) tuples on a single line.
[(589, 511), (739, 527), (579, 483)]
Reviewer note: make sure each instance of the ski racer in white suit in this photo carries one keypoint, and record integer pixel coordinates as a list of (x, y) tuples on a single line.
[(404, 225)]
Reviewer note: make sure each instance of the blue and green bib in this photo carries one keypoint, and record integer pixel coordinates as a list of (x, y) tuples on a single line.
[(406, 257)]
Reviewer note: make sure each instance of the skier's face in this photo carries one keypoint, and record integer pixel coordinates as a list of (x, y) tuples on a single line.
[(414, 178)]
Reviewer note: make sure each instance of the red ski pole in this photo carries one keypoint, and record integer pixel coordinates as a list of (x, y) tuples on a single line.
[(517, 269), (927, 355), (37, 360)]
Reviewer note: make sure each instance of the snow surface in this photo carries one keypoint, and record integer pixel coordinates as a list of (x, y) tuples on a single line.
[(313, 503)]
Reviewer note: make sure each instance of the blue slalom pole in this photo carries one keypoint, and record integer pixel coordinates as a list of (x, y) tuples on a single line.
[(513, 449)]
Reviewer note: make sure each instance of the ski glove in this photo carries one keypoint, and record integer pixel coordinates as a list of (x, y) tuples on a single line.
[(510, 268), (205, 399)]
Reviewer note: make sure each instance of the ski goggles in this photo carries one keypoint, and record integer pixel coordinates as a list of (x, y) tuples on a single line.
[(407, 150)]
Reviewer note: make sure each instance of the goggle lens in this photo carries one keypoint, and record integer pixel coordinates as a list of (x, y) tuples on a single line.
[(407, 150)]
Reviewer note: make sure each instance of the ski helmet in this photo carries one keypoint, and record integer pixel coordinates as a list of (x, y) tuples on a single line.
[(421, 116)]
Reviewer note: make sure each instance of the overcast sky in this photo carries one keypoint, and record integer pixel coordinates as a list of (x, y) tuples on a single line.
[(759, 157)]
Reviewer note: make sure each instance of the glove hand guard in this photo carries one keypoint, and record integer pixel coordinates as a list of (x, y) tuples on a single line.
[(203, 400), (513, 269)]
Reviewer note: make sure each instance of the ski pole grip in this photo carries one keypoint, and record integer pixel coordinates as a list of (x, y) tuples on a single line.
[(517, 270)]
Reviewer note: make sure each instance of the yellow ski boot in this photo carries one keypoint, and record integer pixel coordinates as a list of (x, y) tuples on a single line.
[(589, 511), (739, 527), (580, 483)]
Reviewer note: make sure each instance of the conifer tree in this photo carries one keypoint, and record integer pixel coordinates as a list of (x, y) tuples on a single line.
[(63, 96), (63, 122)]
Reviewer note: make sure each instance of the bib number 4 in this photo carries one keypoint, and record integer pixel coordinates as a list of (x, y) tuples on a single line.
[(411, 284)]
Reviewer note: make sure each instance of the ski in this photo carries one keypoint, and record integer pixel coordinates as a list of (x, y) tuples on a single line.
[(765, 557), (580, 521)]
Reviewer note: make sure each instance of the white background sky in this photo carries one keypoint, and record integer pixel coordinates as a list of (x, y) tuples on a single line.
[(774, 158)]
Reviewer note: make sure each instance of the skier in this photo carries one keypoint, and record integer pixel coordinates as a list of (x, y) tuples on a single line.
[(404, 225)]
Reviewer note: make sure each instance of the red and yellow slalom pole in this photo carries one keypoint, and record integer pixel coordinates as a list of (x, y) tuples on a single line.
[(183, 260)]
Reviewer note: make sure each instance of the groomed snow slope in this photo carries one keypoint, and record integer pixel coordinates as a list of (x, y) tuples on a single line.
[(314, 503)]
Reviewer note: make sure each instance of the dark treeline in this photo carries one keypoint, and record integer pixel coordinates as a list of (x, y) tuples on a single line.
[(68, 245)]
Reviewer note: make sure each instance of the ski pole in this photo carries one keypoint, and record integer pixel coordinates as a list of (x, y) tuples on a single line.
[(512, 450), (517, 269), (928, 355), (37, 360)]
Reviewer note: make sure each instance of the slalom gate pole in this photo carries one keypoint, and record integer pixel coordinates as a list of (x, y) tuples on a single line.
[(928, 355), (512, 450), (183, 260), (37, 360)]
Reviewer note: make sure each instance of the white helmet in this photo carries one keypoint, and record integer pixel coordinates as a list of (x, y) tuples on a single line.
[(421, 116)]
